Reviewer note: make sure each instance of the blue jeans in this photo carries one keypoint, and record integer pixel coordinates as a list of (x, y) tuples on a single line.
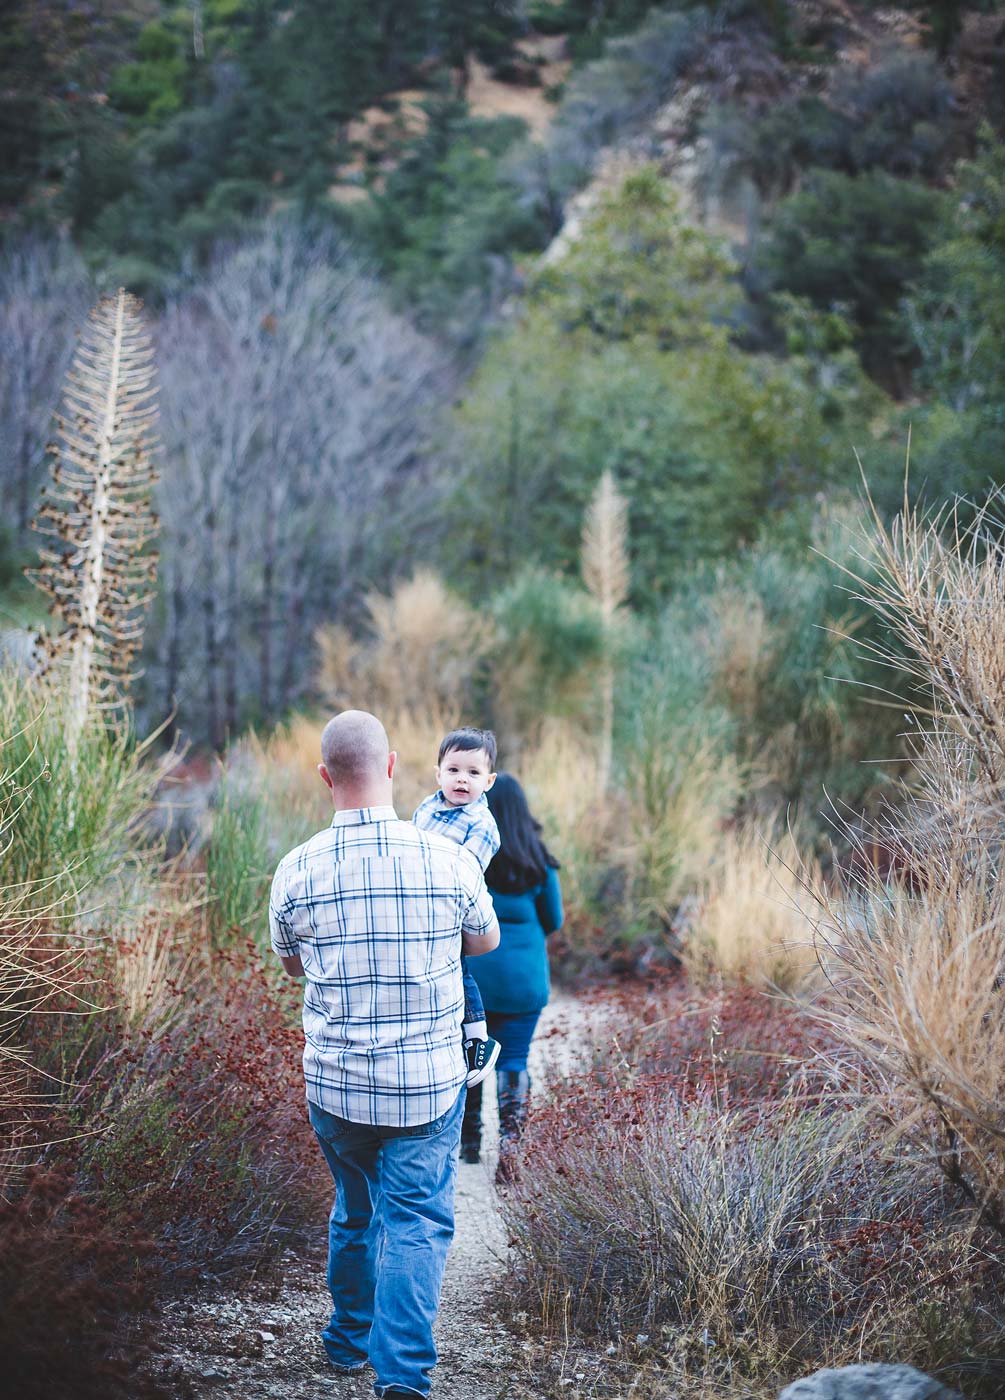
[(388, 1236), (474, 1007)]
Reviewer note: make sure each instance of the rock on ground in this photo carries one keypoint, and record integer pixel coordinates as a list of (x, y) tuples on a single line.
[(872, 1382)]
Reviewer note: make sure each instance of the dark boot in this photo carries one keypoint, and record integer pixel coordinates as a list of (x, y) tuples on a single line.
[(513, 1088), (471, 1125)]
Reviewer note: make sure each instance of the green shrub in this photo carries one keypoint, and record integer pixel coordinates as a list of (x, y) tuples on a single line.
[(855, 243), (448, 219), (150, 90), (156, 43), (624, 361), (708, 444), (759, 641), (770, 146), (957, 310), (888, 117), (551, 641), (895, 115)]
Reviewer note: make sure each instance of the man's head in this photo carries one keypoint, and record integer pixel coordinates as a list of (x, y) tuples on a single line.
[(465, 767), (356, 762)]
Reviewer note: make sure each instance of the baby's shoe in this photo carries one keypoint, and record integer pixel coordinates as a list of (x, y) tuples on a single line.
[(481, 1056)]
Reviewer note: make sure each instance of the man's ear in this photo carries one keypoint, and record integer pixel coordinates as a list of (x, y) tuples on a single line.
[(392, 759), (492, 778), (326, 777)]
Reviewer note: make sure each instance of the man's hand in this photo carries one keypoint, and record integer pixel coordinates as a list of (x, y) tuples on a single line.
[(474, 943), (293, 966)]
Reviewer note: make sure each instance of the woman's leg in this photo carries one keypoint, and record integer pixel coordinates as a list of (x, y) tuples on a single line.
[(514, 1034), (471, 1126)]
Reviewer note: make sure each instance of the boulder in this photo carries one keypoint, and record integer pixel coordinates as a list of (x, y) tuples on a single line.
[(873, 1382)]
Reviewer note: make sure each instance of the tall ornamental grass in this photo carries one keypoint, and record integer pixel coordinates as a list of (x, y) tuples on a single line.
[(753, 921), (919, 952), (239, 864), (79, 828)]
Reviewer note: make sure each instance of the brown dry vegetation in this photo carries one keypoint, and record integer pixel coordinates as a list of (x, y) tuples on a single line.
[(919, 959)]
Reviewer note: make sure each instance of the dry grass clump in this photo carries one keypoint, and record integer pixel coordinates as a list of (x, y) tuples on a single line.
[(141, 964), (563, 775), (681, 794), (919, 958), (744, 647), (426, 647), (753, 923), (754, 1239), (920, 997)]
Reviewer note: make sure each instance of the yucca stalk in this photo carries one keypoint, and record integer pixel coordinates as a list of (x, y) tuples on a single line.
[(99, 575), (604, 566)]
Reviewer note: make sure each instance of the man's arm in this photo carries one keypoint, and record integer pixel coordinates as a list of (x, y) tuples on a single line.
[(283, 938), (479, 927), (474, 943)]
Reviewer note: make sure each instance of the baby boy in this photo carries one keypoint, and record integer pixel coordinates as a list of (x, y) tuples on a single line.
[(465, 770)]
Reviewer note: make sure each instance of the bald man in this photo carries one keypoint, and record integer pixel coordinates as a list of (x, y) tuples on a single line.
[(375, 914)]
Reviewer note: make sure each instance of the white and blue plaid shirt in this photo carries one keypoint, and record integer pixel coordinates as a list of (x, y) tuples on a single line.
[(472, 826), (375, 909)]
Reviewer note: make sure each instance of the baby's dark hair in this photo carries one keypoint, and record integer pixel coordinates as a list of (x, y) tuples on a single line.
[(468, 740)]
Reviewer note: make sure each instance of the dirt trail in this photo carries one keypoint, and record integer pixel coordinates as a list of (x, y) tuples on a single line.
[(264, 1344)]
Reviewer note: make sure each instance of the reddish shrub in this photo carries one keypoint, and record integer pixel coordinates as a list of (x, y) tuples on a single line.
[(68, 1278), (197, 1120), (743, 1041)]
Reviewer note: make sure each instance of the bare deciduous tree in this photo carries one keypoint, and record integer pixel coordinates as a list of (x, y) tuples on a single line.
[(295, 409), (44, 295)]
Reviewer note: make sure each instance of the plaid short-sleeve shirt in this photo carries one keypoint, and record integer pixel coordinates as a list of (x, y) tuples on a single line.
[(375, 908), (472, 826)]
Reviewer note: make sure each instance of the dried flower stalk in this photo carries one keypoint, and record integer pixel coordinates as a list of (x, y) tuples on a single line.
[(605, 569), (99, 573)]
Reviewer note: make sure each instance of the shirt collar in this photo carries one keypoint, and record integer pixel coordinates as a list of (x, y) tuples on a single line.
[(442, 805), (360, 816)]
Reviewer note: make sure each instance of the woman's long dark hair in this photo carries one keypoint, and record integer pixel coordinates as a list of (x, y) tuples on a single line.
[(522, 860)]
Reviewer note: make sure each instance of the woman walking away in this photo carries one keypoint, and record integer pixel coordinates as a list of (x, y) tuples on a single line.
[(514, 980)]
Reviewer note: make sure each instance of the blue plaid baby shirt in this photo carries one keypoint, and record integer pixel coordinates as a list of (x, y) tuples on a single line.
[(472, 826)]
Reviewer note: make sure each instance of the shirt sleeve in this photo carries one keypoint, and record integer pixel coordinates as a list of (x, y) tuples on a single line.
[(480, 915), (549, 903), (284, 941), (482, 839)]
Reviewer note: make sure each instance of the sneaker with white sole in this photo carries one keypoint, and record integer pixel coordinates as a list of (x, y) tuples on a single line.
[(481, 1056)]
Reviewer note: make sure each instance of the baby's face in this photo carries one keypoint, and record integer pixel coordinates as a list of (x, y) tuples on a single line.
[(463, 775)]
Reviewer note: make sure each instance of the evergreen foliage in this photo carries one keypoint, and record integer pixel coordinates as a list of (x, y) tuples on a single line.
[(445, 224), (856, 243), (624, 361)]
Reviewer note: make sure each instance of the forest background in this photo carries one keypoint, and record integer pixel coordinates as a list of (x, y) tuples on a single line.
[(519, 362)]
